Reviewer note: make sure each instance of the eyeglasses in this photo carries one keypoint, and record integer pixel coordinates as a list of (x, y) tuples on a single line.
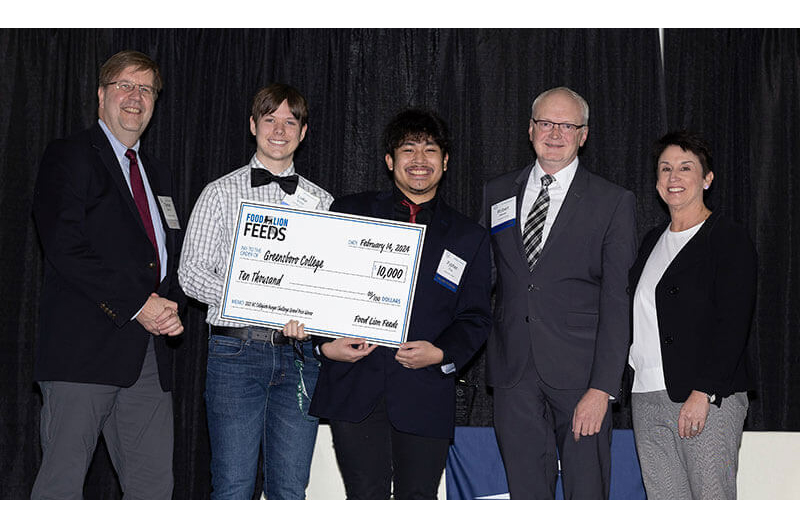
[(127, 87), (547, 126)]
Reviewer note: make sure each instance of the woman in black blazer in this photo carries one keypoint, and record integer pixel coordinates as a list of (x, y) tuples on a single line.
[(693, 292)]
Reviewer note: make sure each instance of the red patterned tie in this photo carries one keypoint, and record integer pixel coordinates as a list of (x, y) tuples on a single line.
[(140, 197), (413, 210)]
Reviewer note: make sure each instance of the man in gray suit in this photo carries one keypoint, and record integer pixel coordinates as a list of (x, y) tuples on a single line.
[(563, 240)]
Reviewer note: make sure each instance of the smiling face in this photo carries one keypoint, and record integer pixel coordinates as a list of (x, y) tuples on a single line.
[(127, 114), (417, 167), (557, 148), (278, 135), (681, 180)]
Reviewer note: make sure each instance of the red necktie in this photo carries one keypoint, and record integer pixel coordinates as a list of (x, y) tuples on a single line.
[(140, 197), (413, 210)]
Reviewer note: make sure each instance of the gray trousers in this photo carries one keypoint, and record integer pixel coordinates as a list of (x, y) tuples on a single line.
[(533, 425), (137, 423), (703, 467)]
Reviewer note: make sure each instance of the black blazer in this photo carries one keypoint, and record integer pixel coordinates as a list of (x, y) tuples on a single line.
[(99, 265), (570, 314), (418, 401), (705, 302)]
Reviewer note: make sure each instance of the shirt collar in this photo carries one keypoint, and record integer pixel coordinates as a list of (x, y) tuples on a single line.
[(398, 197), (256, 163), (401, 212), (562, 179), (117, 145)]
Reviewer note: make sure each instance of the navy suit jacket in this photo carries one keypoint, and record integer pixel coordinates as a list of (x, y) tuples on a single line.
[(704, 304), (418, 401), (570, 314), (99, 265)]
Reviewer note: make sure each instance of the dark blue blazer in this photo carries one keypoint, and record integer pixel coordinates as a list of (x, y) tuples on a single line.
[(99, 265), (704, 303), (418, 401)]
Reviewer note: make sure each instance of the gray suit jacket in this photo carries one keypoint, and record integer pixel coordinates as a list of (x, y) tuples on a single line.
[(571, 313)]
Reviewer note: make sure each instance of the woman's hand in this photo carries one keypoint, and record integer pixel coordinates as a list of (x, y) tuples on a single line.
[(693, 415)]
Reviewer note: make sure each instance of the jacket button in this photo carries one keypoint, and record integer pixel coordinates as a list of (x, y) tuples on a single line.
[(151, 265), (668, 340), (673, 290), (530, 287), (527, 319)]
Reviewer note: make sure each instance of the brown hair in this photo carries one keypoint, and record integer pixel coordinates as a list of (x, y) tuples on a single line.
[(119, 61), (268, 99)]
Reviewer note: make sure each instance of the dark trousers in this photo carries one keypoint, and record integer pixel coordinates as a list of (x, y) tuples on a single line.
[(137, 423), (533, 424), (373, 455)]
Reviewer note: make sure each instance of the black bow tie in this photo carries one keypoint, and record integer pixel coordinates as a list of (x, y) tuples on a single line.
[(259, 177)]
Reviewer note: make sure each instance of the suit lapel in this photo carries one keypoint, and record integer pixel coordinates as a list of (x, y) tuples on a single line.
[(383, 206), (109, 159), (436, 231), (694, 249), (437, 234), (520, 183), (571, 204), (160, 186)]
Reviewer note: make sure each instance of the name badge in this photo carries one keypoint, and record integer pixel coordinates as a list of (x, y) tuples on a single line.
[(301, 199), (504, 214), (169, 212), (450, 270)]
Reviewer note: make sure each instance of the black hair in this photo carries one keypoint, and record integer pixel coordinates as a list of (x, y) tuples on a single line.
[(416, 124), (689, 142)]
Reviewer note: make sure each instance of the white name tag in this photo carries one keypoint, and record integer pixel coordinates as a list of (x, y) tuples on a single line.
[(504, 214), (301, 199), (450, 270), (168, 210)]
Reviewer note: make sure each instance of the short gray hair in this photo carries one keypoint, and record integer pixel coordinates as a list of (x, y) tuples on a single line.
[(563, 89)]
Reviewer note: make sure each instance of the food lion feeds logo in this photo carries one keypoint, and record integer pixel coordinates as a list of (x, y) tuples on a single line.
[(266, 227)]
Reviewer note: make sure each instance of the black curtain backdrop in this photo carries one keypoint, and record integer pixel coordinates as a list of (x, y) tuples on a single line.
[(740, 87)]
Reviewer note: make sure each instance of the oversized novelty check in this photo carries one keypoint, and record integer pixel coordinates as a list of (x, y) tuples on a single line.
[(338, 274)]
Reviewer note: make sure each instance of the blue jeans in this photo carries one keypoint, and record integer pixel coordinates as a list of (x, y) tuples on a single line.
[(257, 395)]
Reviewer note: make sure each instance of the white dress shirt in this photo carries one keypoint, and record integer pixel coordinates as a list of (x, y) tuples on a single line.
[(557, 192)]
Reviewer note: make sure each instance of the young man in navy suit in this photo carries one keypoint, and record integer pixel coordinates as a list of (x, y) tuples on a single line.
[(109, 232), (563, 240), (392, 411)]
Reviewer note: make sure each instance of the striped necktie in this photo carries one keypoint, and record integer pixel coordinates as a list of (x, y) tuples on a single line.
[(534, 224)]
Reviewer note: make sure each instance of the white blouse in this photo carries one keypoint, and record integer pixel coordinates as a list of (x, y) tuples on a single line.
[(645, 352)]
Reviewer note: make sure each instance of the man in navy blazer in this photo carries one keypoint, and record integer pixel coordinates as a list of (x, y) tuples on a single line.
[(109, 233), (563, 240), (392, 411)]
